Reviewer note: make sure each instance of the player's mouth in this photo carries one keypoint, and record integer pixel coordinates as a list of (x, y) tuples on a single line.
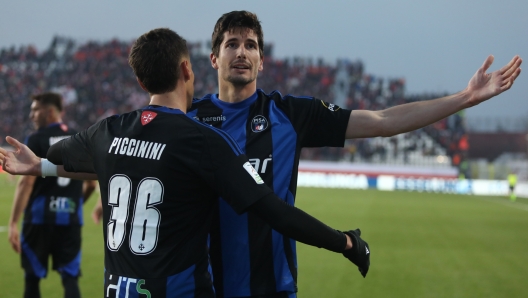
[(241, 66)]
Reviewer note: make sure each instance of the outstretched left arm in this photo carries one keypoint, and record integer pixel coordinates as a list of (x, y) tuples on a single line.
[(407, 117)]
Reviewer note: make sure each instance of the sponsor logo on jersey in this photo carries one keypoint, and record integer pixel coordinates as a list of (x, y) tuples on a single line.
[(259, 123), (62, 204), (332, 107), (53, 140), (253, 173), (209, 119), (147, 117), (137, 148), (130, 286), (260, 165)]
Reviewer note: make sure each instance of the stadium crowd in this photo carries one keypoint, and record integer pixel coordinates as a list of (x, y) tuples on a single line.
[(96, 81)]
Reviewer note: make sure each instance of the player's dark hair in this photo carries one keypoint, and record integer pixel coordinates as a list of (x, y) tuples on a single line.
[(49, 99), (239, 19), (155, 58)]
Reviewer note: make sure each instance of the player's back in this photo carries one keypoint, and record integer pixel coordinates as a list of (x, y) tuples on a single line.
[(157, 205), (160, 174)]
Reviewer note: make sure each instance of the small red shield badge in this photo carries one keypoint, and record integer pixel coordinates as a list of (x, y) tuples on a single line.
[(147, 116)]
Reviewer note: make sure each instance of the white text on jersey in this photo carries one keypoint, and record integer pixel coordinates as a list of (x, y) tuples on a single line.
[(137, 148)]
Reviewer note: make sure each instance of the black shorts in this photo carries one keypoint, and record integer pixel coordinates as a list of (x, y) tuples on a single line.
[(63, 243)]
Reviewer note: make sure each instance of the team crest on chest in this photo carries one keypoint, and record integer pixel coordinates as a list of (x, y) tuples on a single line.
[(259, 123), (147, 116)]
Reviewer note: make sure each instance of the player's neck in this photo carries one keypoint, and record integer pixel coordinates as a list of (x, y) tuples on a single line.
[(172, 100), (230, 93), (53, 120)]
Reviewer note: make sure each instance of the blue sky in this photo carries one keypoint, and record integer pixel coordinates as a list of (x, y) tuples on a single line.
[(435, 45)]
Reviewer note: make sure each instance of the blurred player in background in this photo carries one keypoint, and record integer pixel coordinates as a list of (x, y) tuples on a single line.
[(512, 181), (249, 258), (52, 207), (161, 174)]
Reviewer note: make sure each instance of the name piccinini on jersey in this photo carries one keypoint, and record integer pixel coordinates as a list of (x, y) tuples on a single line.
[(137, 148)]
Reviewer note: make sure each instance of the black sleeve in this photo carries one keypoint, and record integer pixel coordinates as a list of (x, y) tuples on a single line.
[(54, 153), (317, 123), (296, 224), (229, 172), (76, 152), (237, 182)]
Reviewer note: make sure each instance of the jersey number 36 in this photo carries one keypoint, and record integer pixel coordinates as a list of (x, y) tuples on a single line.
[(146, 218)]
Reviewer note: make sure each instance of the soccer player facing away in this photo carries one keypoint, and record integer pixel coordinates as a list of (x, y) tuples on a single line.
[(161, 173), (52, 207), (249, 258)]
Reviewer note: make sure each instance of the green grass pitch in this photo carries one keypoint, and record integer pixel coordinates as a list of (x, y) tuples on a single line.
[(423, 245)]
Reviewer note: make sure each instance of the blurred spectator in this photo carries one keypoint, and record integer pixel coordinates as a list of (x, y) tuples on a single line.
[(96, 81)]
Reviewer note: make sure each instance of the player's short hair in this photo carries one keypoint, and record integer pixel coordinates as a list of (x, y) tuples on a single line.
[(49, 99), (231, 21), (155, 58)]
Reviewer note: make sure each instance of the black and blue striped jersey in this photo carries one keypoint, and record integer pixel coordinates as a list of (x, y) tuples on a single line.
[(248, 257), (160, 174), (53, 200)]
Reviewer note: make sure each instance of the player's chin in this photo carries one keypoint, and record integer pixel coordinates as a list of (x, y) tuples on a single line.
[(240, 79)]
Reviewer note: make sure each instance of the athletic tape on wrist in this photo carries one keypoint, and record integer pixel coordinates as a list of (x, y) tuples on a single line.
[(47, 168)]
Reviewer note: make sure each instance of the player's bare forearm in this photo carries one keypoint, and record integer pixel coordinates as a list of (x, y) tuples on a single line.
[(88, 189), (20, 200), (403, 118), (407, 117)]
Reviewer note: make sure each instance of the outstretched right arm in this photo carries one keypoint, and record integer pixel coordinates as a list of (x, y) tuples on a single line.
[(22, 161)]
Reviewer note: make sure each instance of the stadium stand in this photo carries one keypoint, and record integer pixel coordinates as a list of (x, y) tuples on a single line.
[(96, 81)]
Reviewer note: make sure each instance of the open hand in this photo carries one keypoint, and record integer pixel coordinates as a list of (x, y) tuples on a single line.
[(21, 161), (484, 86)]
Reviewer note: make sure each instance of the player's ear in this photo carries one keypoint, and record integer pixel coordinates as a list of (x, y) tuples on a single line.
[(213, 60), (261, 66), (186, 70), (141, 84)]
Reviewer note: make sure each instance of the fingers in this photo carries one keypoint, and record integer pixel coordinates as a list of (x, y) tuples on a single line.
[(16, 247), (509, 82), (487, 63), (13, 142), (95, 217), (510, 68), (15, 243)]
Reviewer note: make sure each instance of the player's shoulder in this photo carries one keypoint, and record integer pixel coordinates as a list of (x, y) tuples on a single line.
[(212, 133), (278, 96), (50, 130), (198, 102)]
